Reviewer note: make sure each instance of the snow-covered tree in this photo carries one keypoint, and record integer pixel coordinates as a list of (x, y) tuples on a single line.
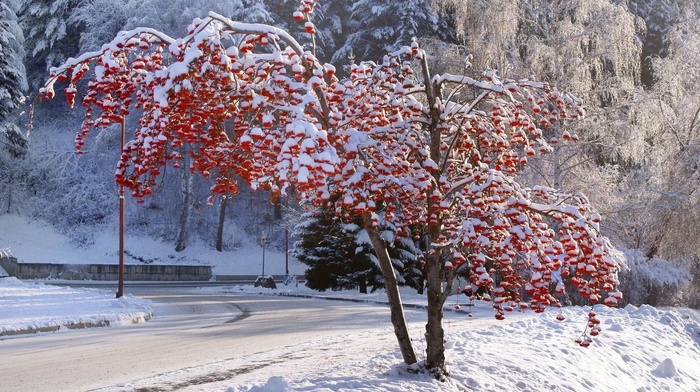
[(406, 257), (392, 143), (340, 256), (50, 38), (13, 82), (656, 208), (335, 258), (661, 17), (594, 48), (102, 19), (378, 27), (170, 16), (13, 142)]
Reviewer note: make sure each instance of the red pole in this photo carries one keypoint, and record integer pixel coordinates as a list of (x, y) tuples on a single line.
[(286, 250), (120, 288)]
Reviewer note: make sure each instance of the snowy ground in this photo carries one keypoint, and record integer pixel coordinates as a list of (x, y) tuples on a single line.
[(39, 307), (641, 349)]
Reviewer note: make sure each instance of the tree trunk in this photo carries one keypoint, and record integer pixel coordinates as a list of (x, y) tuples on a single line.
[(9, 194), (220, 229), (398, 320), (278, 208), (434, 331), (363, 286), (186, 184)]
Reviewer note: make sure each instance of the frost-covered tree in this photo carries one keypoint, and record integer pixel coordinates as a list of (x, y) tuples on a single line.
[(662, 189), (50, 38), (377, 27), (13, 142), (13, 82), (590, 47), (431, 155)]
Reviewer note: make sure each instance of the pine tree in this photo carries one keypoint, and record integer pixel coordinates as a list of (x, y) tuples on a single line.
[(335, 258), (13, 144), (340, 255), (406, 257), (377, 27), (13, 80), (49, 38)]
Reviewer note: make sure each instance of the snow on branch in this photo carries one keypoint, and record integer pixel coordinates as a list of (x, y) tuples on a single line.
[(258, 29), (386, 141)]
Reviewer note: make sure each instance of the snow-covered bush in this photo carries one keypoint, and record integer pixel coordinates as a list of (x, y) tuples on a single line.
[(654, 281), (691, 295)]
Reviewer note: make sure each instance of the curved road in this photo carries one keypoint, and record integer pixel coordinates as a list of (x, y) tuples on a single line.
[(188, 330)]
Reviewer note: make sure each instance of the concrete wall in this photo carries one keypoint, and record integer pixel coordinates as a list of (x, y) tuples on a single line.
[(104, 271)]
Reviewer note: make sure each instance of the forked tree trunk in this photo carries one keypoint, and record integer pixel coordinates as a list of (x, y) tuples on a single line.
[(186, 185), (398, 320), (437, 295)]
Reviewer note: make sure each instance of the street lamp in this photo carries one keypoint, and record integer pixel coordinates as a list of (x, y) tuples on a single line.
[(286, 250), (120, 285), (263, 242)]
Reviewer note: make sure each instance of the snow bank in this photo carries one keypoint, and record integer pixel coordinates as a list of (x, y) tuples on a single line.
[(37, 307)]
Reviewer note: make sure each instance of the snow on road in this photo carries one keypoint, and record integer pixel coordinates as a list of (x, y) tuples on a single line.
[(640, 350), (40, 307)]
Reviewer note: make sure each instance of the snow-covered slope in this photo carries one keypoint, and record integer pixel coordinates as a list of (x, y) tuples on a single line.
[(32, 241)]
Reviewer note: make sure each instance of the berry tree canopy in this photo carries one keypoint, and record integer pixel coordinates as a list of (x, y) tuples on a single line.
[(434, 155)]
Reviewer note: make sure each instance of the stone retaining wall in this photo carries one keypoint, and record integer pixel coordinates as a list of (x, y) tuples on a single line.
[(104, 271)]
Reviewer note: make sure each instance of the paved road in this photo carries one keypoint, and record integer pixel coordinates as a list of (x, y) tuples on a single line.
[(188, 329)]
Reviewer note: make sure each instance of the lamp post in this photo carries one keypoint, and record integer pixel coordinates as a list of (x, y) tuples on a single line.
[(263, 242), (120, 288), (286, 250)]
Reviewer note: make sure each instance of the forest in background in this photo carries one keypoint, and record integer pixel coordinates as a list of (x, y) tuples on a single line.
[(635, 64)]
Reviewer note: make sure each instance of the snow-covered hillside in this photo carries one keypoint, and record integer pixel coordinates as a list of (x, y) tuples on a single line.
[(32, 241)]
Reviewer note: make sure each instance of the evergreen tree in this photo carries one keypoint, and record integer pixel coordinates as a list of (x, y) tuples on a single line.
[(660, 16), (13, 82), (406, 257), (377, 27), (335, 259), (331, 22), (49, 38), (13, 144), (255, 11), (179, 13), (340, 255)]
